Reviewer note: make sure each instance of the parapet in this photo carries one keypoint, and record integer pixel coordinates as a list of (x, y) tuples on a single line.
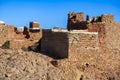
[(78, 17), (76, 20), (107, 18)]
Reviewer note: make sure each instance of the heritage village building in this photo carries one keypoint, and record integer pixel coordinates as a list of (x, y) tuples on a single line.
[(80, 37)]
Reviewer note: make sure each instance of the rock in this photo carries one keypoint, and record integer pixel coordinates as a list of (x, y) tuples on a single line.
[(20, 65)]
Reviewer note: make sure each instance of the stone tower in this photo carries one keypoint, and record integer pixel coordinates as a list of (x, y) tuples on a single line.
[(75, 21)]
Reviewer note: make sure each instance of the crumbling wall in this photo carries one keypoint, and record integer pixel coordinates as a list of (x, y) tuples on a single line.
[(81, 43), (100, 28), (3, 34), (36, 35), (69, 44), (77, 26), (107, 19), (10, 31), (78, 17), (6, 33), (15, 44), (21, 44), (112, 38), (76, 21), (55, 44), (18, 40), (19, 36), (24, 40)]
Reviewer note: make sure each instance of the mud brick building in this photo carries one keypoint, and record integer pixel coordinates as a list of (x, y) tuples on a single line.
[(81, 36), (20, 38)]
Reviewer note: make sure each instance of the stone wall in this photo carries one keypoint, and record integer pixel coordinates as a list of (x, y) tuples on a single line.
[(3, 34), (75, 21), (78, 17), (19, 36), (18, 40), (69, 44), (55, 44), (107, 18), (81, 43), (36, 35), (112, 38), (100, 28), (21, 44), (6, 33), (10, 31)]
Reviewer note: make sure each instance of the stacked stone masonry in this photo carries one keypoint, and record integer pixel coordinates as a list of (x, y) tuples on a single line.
[(80, 37), (19, 39), (65, 44), (55, 43), (82, 42), (107, 19)]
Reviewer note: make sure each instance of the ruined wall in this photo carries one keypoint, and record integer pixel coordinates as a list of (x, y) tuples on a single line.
[(36, 35), (107, 19), (81, 43), (75, 21), (10, 31), (100, 28), (3, 34), (6, 33), (77, 26), (69, 44), (21, 41), (112, 38), (18, 40), (78, 17), (21, 44), (55, 43), (19, 36), (96, 24)]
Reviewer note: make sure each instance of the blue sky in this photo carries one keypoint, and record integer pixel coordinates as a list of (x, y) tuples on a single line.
[(50, 13)]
